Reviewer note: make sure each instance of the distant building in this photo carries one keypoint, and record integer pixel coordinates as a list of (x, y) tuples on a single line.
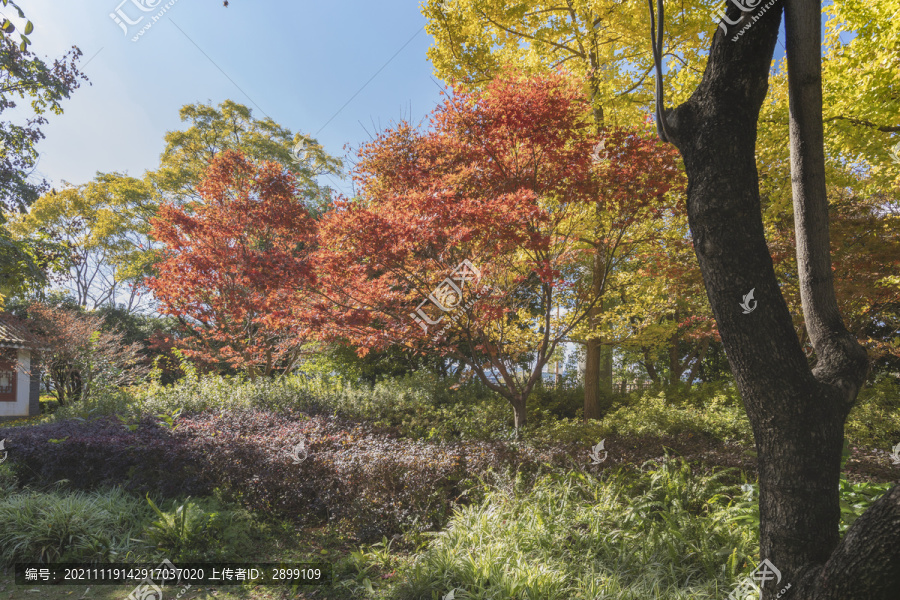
[(19, 384)]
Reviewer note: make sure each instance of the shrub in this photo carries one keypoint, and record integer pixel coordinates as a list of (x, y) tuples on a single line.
[(420, 405), (557, 402), (719, 418), (655, 415), (875, 419), (360, 474), (142, 456), (424, 406)]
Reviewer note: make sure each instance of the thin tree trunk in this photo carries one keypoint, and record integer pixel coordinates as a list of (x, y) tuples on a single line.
[(519, 414), (696, 359), (676, 368), (597, 367), (648, 365), (606, 372)]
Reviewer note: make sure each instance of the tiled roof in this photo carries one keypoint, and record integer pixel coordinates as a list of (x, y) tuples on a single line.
[(12, 336)]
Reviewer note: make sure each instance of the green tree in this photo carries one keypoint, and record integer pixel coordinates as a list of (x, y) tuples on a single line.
[(104, 224), (25, 77), (231, 126), (24, 264), (7, 28)]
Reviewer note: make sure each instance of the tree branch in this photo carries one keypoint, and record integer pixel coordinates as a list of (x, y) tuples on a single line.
[(864, 123)]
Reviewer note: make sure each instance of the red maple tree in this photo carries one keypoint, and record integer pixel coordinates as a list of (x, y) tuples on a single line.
[(467, 239), (234, 264)]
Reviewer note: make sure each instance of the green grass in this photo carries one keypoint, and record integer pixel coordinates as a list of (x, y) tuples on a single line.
[(199, 530), (662, 533), (69, 526), (665, 534)]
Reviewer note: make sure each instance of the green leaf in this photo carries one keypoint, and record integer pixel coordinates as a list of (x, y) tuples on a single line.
[(845, 453), (154, 507)]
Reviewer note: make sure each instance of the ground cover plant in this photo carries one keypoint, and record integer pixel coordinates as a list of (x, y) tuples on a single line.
[(420, 470)]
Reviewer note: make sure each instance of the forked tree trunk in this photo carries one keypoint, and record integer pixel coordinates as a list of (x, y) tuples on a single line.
[(797, 415)]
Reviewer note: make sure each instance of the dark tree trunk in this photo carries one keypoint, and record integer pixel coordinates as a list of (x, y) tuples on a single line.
[(797, 415), (597, 378), (648, 365), (676, 367), (696, 360)]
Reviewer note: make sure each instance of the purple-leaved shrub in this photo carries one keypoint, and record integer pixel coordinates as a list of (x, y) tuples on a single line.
[(361, 474)]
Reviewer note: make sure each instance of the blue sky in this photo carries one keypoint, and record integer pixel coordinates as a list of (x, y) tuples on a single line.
[(297, 62)]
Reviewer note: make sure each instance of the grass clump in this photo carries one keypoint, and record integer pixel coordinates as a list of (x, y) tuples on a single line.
[(9, 481), (198, 530), (662, 534), (69, 526)]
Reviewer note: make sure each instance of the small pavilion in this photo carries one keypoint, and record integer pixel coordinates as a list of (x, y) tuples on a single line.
[(19, 383)]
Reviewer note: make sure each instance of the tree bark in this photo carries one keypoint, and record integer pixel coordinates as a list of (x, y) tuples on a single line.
[(598, 358), (592, 380), (519, 413), (676, 367), (797, 414)]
